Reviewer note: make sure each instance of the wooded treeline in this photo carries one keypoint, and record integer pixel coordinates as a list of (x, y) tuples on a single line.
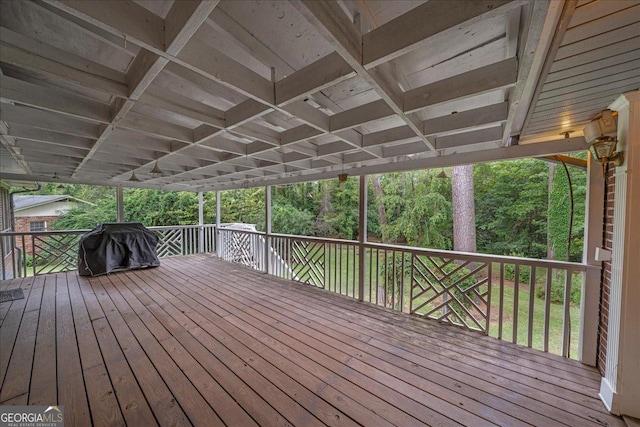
[(522, 207)]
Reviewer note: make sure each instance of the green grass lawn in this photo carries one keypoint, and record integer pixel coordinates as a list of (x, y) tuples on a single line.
[(340, 274), (537, 342)]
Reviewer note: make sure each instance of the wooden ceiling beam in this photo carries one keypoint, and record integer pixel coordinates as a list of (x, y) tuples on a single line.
[(400, 133), (481, 80), (542, 18), (561, 26), (156, 128), (213, 64), (404, 149), (19, 51), (47, 137), (32, 146), (53, 100), (223, 144), (464, 120), (298, 133), (49, 121), (158, 97), (182, 23), (430, 19), (468, 138), (332, 23), (128, 20), (360, 116), (318, 75)]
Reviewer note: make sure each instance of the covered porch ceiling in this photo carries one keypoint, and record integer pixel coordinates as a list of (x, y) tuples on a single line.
[(230, 94)]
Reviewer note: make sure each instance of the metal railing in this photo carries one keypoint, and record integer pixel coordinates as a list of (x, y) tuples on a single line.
[(35, 253), (527, 301)]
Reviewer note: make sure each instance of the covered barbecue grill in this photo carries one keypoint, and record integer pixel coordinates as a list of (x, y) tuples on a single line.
[(115, 247)]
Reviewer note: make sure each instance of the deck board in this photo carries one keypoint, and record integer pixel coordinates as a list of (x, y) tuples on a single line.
[(199, 341)]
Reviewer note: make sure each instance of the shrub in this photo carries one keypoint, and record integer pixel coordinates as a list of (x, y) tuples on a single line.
[(557, 289)]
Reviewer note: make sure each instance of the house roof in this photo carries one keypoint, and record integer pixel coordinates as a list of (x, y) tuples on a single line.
[(26, 202), (232, 94)]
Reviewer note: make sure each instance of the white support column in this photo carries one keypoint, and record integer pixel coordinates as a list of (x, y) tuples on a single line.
[(119, 205), (200, 222), (620, 387), (362, 237), (267, 229), (218, 206), (590, 304)]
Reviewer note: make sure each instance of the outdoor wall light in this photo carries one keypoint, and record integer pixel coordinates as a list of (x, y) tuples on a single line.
[(133, 178), (156, 171), (342, 179), (442, 174), (603, 151), (601, 135)]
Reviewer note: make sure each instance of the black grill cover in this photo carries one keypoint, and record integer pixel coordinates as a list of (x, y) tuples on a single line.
[(117, 246)]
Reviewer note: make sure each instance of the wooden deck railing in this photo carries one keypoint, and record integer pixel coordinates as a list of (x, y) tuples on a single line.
[(526, 301), (34, 253)]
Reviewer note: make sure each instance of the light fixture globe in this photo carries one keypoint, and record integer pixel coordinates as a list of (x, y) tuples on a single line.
[(156, 171), (342, 179), (603, 151)]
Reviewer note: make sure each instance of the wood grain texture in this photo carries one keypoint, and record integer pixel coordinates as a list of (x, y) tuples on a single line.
[(199, 341)]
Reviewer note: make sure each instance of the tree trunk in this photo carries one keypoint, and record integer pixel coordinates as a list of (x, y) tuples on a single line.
[(382, 212), (550, 247), (464, 212)]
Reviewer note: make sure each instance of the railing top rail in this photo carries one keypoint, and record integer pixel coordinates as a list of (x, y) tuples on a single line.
[(315, 239), (235, 230), (174, 227), (82, 231), (43, 233), (574, 266)]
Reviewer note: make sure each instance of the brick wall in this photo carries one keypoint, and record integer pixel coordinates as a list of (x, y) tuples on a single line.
[(22, 225), (605, 289)]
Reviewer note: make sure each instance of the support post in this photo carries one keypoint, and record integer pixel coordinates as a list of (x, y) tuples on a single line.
[(362, 237), (218, 206), (620, 387), (267, 229), (119, 205), (200, 222), (589, 306)]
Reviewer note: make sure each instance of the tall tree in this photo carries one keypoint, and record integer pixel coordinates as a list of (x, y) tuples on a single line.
[(550, 241), (382, 213), (464, 212)]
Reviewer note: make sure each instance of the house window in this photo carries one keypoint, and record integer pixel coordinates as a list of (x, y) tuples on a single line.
[(38, 226)]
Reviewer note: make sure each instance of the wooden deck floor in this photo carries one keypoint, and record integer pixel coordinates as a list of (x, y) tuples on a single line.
[(203, 342)]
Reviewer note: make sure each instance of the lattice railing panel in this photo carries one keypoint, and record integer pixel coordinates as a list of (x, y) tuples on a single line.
[(242, 247), (170, 242), (449, 290), (308, 262), (55, 252)]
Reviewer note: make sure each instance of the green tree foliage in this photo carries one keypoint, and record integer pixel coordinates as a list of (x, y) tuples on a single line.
[(511, 200), (560, 213), (419, 214), (87, 217), (154, 207)]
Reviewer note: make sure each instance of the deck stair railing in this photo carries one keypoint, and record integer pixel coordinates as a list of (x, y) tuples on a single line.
[(54, 251), (243, 244), (527, 301)]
